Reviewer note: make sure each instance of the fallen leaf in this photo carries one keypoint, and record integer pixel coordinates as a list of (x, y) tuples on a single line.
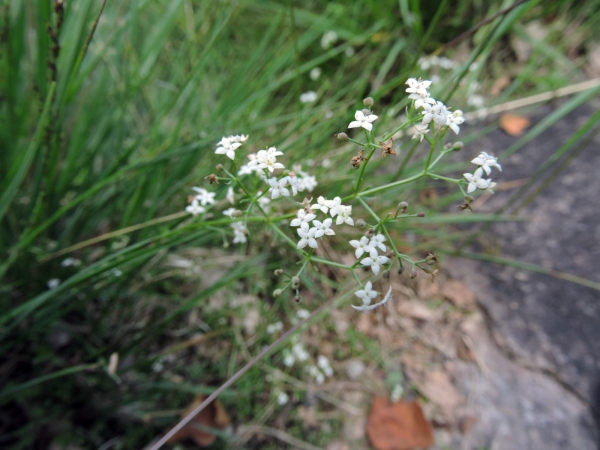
[(398, 426), (438, 388), (513, 124), (213, 416), (499, 85), (457, 293)]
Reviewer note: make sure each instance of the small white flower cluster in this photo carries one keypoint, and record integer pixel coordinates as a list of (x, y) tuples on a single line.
[(426, 62), (485, 162), (70, 261), (228, 145), (321, 370), (367, 295), (200, 200), (297, 183), (328, 39), (309, 235), (239, 232), (282, 397), (433, 110), (396, 394), (297, 353), (274, 327), (265, 159), (370, 246), (308, 97)]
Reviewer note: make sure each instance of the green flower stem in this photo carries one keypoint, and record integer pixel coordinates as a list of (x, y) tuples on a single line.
[(441, 177), (385, 186), (431, 150)]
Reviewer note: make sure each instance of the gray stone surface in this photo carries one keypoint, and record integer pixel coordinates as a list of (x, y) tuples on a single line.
[(548, 326)]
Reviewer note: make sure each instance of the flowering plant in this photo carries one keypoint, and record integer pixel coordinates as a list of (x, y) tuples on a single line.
[(264, 180)]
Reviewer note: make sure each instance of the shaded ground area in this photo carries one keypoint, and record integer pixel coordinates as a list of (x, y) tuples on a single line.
[(547, 328)]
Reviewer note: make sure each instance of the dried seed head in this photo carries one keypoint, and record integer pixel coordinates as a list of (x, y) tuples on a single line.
[(212, 179), (298, 298), (432, 259), (387, 149)]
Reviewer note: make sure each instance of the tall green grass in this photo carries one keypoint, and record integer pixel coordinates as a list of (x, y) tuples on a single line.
[(106, 126)]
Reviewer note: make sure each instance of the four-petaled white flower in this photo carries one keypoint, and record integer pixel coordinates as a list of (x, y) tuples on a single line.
[(454, 120), (363, 246), (321, 205), (228, 212), (363, 121), (204, 197), (194, 209), (278, 187), (418, 92), (436, 112), (323, 227), (366, 294), (367, 299), (230, 198), (491, 186), (303, 219), (375, 263), (239, 232), (306, 182), (419, 131), (475, 180), (486, 162), (295, 184), (227, 147), (307, 237), (378, 241), (343, 215)]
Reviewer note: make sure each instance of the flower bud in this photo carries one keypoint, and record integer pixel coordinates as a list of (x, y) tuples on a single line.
[(236, 213), (457, 146), (287, 172), (360, 223), (421, 214), (295, 282), (298, 298), (413, 274), (386, 274), (400, 270), (469, 199), (402, 207), (219, 167), (342, 136), (370, 232), (277, 293), (368, 102), (366, 112), (278, 272)]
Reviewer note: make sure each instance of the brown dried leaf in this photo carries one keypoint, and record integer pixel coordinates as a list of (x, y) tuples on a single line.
[(513, 124), (499, 85), (457, 293), (438, 388), (213, 416), (398, 426)]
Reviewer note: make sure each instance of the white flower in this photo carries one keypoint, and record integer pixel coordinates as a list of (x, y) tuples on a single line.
[(194, 209), (227, 147), (418, 91), (343, 215), (306, 182), (264, 202), (321, 205), (228, 212), (278, 187), (241, 138), (288, 358), (366, 294), (363, 121), (367, 300), (308, 97), (324, 365), (239, 232), (299, 352), (363, 246), (335, 206), (378, 241), (230, 198), (315, 73), (419, 131), (375, 263), (302, 220), (323, 227), (436, 112), (454, 120), (314, 372), (246, 169), (486, 162), (328, 39), (53, 283), (308, 237), (274, 327), (204, 197), (282, 398), (491, 186), (70, 261), (475, 180), (302, 313), (295, 183)]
